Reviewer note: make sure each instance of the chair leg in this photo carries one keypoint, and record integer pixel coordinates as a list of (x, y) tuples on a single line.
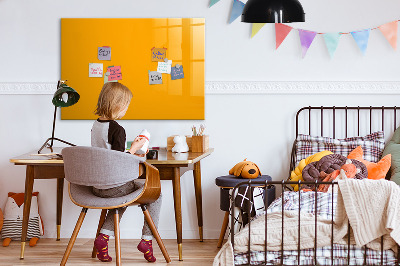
[(117, 239), (154, 230), (223, 229), (73, 237), (101, 222)]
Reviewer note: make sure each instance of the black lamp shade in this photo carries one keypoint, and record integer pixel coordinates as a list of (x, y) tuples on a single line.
[(60, 101), (273, 11)]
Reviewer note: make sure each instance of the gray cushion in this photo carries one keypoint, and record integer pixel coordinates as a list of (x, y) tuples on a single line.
[(393, 148), (83, 195)]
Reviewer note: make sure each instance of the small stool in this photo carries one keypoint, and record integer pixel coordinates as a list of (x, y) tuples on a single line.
[(226, 183)]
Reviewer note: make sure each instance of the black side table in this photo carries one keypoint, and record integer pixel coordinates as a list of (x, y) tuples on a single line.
[(226, 183)]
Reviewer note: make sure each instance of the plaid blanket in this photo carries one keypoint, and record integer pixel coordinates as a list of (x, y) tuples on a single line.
[(323, 205)]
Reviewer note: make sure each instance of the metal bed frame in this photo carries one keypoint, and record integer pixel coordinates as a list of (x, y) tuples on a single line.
[(283, 184)]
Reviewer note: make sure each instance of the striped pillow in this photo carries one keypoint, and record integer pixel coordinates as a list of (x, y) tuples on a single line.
[(372, 145), (13, 228)]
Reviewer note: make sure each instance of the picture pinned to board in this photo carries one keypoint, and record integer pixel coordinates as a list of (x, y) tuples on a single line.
[(95, 70), (158, 54), (165, 67), (115, 73), (177, 72), (104, 53), (106, 75), (155, 77)]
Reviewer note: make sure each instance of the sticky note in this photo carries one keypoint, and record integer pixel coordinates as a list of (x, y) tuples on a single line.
[(155, 77), (104, 53), (164, 67), (158, 54), (106, 75), (95, 70), (177, 72), (115, 73)]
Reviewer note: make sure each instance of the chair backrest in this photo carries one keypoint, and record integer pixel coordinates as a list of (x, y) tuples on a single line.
[(92, 166)]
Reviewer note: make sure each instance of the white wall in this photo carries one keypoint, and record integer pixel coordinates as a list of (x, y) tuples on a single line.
[(259, 127)]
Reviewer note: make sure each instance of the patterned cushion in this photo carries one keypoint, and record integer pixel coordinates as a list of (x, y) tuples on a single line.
[(372, 144)]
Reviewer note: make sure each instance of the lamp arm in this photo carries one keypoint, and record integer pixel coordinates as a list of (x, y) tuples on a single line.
[(54, 126)]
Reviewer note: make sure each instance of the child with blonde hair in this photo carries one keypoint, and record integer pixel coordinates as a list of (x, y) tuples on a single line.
[(113, 102)]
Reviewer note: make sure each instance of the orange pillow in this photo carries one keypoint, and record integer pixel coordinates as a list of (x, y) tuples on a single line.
[(375, 170)]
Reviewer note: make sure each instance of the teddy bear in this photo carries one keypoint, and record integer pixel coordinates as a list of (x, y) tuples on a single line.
[(13, 215), (180, 144), (245, 169)]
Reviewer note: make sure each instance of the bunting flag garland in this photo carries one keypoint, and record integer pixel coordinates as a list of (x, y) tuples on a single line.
[(306, 39), (256, 27), (281, 31), (213, 2), (361, 37), (332, 41), (389, 30), (237, 9)]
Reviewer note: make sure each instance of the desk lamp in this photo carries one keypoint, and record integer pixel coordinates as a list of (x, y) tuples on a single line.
[(273, 11), (63, 97)]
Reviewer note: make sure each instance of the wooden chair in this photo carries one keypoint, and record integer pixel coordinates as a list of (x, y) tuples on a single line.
[(85, 167)]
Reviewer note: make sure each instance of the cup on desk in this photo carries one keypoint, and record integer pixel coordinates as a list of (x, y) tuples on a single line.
[(152, 155)]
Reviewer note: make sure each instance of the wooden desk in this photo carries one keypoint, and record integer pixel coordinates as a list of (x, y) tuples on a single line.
[(171, 167)]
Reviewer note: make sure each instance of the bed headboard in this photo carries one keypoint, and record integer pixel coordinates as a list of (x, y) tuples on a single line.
[(344, 121)]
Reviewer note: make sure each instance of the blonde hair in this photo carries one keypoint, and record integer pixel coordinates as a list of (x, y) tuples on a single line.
[(113, 98)]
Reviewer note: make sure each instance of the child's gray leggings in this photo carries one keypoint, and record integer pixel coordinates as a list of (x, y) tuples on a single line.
[(154, 208)]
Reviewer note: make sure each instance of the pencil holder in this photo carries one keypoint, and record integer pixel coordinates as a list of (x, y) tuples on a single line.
[(200, 143)]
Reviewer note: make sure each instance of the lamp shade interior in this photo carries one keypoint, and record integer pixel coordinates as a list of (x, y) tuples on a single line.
[(273, 11), (65, 96)]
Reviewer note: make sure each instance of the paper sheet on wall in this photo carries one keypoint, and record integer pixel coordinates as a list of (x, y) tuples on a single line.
[(155, 77), (158, 54), (115, 73), (104, 53), (164, 67), (177, 72), (95, 70), (106, 75)]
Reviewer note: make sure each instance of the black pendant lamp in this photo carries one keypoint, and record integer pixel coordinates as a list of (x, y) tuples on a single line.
[(273, 11)]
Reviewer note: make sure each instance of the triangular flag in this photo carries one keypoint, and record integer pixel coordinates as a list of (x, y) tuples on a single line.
[(306, 39), (213, 2), (281, 31), (237, 9), (390, 32), (361, 37), (255, 28), (332, 41)]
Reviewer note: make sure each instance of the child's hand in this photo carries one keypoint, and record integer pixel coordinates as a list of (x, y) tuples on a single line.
[(137, 144), (142, 155)]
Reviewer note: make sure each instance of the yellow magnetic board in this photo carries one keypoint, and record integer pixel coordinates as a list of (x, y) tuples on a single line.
[(131, 41)]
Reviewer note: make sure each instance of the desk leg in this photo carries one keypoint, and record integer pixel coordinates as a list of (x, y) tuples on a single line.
[(197, 189), (176, 182), (27, 206), (60, 190)]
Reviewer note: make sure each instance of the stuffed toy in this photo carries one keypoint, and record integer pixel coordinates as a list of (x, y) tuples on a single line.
[(180, 144), (348, 170), (245, 169), (1, 220), (375, 170), (13, 215), (296, 174)]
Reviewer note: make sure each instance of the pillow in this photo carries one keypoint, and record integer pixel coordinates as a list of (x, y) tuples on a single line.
[(372, 144), (375, 170), (393, 148)]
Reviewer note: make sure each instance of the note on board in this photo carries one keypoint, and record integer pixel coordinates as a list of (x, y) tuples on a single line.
[(177, 72), (95, 70), (158, 54), (106, 75), (155, 77), (115, 73), (164, 67), (104, 53)]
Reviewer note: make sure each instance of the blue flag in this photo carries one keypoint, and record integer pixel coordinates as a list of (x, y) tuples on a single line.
[(332, 41), (213, 2), (361, 38), (237, 9)]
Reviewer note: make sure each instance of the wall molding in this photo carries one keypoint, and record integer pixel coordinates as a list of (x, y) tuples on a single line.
[(247, 87)]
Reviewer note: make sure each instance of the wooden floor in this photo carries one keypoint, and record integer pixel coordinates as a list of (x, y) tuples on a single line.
[(50, 252)]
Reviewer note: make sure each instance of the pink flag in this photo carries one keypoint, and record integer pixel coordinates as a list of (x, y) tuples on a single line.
[(389, 30), (306, 39), (281, 31)]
